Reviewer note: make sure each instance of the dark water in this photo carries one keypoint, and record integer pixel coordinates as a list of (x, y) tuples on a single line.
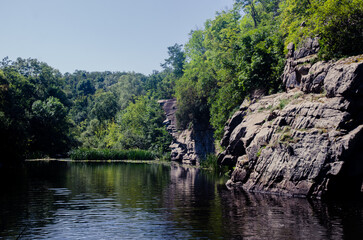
[(61, 200)]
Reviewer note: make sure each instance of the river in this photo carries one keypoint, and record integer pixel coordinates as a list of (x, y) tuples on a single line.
[(67, 200)]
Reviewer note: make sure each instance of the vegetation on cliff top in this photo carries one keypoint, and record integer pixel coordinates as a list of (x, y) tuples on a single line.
[(243, 50)]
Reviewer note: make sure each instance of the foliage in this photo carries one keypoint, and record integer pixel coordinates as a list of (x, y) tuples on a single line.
[(128, 87), (45, 113), (48, 123), (340, 27), (140, 125), (33, 110), (232, 57), (105, 106), (338, 24), (176, 60), (241, 51)]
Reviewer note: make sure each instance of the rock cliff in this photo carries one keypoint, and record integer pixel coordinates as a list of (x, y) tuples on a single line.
[(188, 145), (306, 141)]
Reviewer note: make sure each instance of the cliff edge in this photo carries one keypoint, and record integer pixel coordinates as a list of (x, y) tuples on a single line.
[(306, 141)]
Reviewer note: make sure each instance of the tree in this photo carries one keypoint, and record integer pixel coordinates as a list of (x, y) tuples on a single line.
[(105, 106), (140, 125), (127, 88), (85, 87), (33, 110), (340, 27), (249, 6), (176, 60), (49, 124)]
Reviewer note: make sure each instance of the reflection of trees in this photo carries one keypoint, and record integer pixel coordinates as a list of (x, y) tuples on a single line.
[(132, 185), (188, 201), (192, 203), (180, 191), (26, 201), (36, 194)]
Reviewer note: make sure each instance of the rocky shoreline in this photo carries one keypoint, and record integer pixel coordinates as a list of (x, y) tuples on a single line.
[(303, 142)]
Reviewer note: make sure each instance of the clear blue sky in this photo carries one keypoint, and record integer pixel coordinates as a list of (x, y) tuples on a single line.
[(99, 35)]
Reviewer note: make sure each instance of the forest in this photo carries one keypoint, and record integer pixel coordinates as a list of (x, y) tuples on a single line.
[(46, 113)]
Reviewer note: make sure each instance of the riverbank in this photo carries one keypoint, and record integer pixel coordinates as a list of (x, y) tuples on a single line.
[(155, 161), (92, 161)]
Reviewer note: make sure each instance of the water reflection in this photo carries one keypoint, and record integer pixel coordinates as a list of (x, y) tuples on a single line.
[(108, 201)]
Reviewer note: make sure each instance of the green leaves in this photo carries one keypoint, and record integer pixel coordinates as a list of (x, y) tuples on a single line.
[(239, 53), (338, 24), (33, 110), (50, 111), (176, 60), (233, 56), (140, 125), (105, 106), (340, 27)]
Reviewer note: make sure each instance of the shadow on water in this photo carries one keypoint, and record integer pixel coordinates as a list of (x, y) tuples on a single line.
[(59, 200)]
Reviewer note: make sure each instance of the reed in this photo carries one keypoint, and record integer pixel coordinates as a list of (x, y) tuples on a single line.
[(111, 154)]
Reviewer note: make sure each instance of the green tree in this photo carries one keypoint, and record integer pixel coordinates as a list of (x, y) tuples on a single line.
[(339, 24), (128, 87), (85, 87), (232, 57), (176, 60), (250, 8), (14, 124), (33, 111), (48, 124), (140, 125), (105, 106)]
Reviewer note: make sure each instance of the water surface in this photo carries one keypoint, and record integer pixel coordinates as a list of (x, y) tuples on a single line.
[(63, 200)]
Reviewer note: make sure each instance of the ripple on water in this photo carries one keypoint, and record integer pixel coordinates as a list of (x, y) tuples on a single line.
[(138, 201)]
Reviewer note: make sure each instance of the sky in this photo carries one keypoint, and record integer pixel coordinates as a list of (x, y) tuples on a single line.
[(101, 35)]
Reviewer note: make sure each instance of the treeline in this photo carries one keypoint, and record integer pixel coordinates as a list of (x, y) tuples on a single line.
[(236, 54), (33, 110), (117, 110), (44, 113)]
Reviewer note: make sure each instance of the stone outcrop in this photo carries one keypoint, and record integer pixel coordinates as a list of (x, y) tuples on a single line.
[(306, 141), (188, 145)]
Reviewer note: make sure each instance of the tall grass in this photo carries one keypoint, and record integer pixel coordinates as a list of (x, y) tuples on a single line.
[(111, 154)]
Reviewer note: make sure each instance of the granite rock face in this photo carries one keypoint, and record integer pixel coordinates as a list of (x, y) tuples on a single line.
[(188, 145), (306, 141)]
